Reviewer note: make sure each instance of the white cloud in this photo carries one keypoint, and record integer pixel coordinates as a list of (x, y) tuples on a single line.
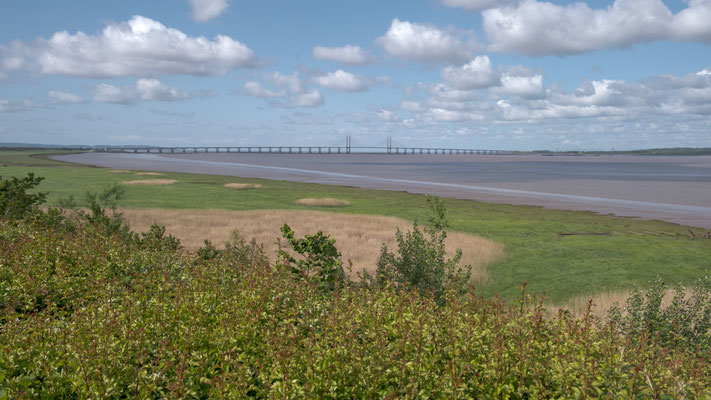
[(606, 92), (343, 81), (139, 47), (527, 87), (387, 115), (254, 89), (603, 101), (445, 93), (63, 97), (422, 42), (444, 115), (475, 75), (205, 10), (144, 89), (17, 106), (411, 106), (540, 28), (155, 90), (288, 87), (105, 93), (309, 99), (478, 5), (349, 54), (292, 82)]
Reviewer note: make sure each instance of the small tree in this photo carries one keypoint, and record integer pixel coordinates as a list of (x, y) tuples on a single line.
[(421, 260), (100, 203), (15, 202), (321, 260)]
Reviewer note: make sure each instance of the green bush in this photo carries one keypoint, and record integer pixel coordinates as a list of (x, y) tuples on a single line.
[(88, 313), (320, 260), (686, 321), (245, 253), (122, 321), (421, 260), (15, 201)]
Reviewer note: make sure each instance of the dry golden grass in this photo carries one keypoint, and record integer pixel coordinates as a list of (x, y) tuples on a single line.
[(240, 186), (120, 171), (323, 202), (149, 173), (358, 237), (602, 302), (151, 182)]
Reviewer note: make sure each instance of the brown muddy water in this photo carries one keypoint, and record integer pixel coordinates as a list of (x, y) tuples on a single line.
[(669, 188)]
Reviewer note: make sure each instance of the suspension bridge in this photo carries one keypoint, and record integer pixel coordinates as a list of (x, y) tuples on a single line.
[(347, 149)]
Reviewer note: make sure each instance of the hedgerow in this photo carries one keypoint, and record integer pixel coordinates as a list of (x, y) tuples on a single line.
[(89, 312)]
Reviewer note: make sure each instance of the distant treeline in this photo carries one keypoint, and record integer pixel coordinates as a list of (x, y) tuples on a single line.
[(667, 151)]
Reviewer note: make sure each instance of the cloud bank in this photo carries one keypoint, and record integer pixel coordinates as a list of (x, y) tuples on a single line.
[(139, 47), (538, 28), (143, 90), (424, 42)]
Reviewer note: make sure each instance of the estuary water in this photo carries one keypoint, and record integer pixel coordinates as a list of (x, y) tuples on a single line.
[(670, 188)]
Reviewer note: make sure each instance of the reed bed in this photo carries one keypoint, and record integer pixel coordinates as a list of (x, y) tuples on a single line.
[(358, 237)]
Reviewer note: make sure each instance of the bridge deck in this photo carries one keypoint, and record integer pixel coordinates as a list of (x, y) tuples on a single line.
[(303, 150)]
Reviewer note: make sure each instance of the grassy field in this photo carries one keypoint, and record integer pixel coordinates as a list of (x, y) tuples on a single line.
[(631, 254), (353, 233)]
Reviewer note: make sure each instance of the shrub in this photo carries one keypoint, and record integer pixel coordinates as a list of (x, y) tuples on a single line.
[(421, 260), (156, 239), (245, 253), (208, 251), (15, 201), (685, 322), (321, 260)]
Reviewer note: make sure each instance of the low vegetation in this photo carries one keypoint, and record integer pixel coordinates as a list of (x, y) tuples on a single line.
[(90, 310), (236, 185), (627, 254), (149, 174), (151, 182), (359, 237), (322, 202)]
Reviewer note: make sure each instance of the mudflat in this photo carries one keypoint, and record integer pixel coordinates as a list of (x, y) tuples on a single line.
[(670, 188)]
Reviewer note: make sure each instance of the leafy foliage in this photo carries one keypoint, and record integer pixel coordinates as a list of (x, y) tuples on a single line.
[(156, 239), (15, 201), (320, 260), (120, 320), (88, 313), (421, 260), (686, 321)]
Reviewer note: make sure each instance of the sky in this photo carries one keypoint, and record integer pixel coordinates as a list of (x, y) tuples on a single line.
[(481, 74)]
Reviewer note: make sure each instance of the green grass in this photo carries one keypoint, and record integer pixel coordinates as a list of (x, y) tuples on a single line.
[(33, 158), (563, 267)]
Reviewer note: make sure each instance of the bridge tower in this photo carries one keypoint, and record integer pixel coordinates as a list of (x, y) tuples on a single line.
[(390, 144), (348, 144)]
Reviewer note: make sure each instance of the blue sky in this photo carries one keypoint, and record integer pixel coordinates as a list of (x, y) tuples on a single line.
[(505, 74)]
